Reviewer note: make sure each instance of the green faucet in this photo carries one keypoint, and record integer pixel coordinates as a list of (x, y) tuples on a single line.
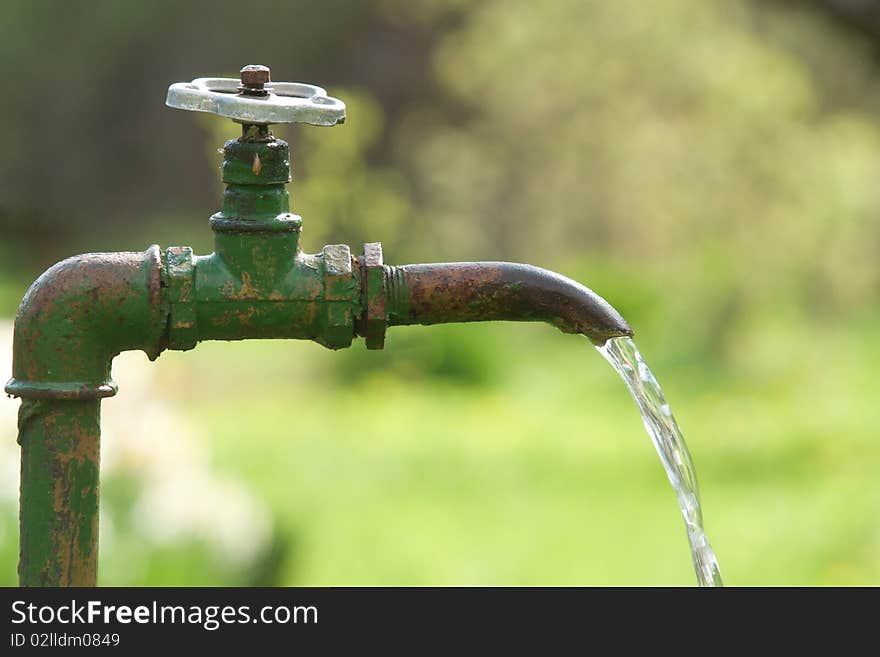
[(258, 283)]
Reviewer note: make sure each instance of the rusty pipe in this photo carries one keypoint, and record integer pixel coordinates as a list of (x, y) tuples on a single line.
[(71, 323), (492, 291)]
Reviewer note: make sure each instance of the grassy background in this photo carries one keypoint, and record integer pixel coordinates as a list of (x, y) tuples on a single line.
[(540, 475)]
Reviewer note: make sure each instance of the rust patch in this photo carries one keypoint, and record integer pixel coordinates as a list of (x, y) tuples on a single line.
[(491, 291), (247, 289)]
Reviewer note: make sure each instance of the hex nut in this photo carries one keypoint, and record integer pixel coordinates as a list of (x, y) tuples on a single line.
[(255, 75), (182, 326), (340, 290), (373, 273)]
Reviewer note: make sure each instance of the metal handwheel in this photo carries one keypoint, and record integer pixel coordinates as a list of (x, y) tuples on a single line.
[(254, 99)]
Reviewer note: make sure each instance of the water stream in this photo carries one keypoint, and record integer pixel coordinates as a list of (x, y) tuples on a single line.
[(657, 416)]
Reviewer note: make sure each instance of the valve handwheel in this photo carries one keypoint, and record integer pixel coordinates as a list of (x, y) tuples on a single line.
[(254, 99)]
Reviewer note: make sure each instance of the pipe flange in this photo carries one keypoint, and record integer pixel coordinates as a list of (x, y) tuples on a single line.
[(182, 325), (374, 320)]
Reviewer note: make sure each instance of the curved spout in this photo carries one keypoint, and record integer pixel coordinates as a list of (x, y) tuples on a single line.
[(490, 291)]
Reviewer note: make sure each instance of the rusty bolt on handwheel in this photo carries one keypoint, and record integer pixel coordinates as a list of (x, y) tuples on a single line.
[(254, 78)]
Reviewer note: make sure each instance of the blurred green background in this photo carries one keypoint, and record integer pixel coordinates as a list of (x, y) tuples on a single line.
[(711, 167)]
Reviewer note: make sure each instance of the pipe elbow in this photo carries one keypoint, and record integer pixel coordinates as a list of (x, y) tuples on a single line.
[(81, 313), (493, 291)]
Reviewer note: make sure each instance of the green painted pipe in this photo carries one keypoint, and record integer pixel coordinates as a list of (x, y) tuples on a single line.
[(60, 458), (257, 284), (71, 323)]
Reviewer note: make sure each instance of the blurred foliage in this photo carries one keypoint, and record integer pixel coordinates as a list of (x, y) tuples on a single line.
[(675, 136), (709, 166)]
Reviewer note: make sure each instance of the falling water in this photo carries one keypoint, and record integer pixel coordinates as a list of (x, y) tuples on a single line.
[(624, 357)]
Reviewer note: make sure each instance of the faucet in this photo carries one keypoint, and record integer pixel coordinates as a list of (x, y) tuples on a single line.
[(258, 283)]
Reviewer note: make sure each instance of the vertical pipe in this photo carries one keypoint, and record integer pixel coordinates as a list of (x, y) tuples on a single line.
[(60, 458)]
